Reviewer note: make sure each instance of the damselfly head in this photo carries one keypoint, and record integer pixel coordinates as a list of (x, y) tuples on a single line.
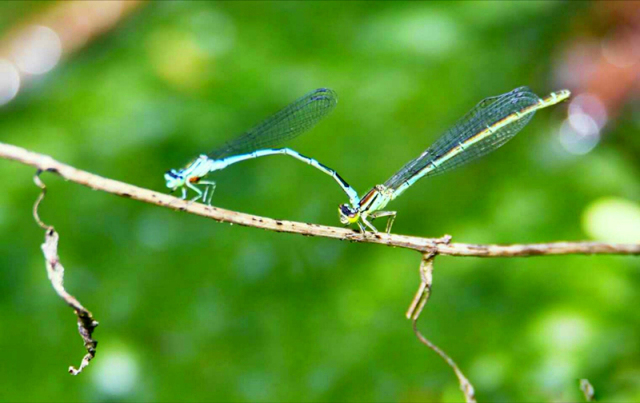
[(348, 215), (174, 179)]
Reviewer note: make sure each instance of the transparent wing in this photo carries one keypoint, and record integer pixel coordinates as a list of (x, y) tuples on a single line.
[(485, 114), (286, 124)]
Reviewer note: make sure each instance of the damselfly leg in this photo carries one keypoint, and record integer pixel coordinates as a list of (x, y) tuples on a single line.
[(195, 189), (368, 224), (390, 220), (206, 195), (209, 188)]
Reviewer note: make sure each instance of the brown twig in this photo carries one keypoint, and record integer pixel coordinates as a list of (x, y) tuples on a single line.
[(424, 290), (439, 246), (55, 272), (429, 247), (465, 386), (419, 301)]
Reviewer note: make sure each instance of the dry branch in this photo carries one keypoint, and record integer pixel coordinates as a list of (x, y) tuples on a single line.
[(440, 246), (428, 247)]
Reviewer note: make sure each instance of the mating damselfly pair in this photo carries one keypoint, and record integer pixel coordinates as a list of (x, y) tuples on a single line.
[(489, 125)]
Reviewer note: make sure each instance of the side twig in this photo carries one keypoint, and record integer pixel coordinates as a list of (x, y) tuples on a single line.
[(424, 290), (55, 271), (441, 246), (419, 301)]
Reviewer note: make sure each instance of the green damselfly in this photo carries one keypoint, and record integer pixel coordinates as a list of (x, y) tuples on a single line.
[(290, 122), (489, 125)]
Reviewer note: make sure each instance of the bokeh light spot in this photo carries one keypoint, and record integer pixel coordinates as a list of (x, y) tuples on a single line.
[(178, 59), (554, 373), (428, 34), (621, 50), (612, 220), (215, 32), (590, 105), (564, 332), (421, 32), (37, 50), (116, 373), (9, 81), (489, 371), (579, 134)]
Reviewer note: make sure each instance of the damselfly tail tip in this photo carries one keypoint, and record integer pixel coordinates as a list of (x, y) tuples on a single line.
[(555, 98), (561, 95)]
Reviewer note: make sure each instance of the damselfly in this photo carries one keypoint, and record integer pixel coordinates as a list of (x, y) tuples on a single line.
[(489, 125), (286, 124)]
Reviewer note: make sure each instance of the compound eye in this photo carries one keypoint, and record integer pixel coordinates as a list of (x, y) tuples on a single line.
[(348, 211)]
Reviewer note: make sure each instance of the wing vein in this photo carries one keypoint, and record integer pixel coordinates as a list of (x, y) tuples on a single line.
[(288, 123), (473, 136)]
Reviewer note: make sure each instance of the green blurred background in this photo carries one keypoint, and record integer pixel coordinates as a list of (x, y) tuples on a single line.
[(192, 310)]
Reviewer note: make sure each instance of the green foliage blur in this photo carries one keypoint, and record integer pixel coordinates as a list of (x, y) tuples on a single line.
[(193, 310)]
